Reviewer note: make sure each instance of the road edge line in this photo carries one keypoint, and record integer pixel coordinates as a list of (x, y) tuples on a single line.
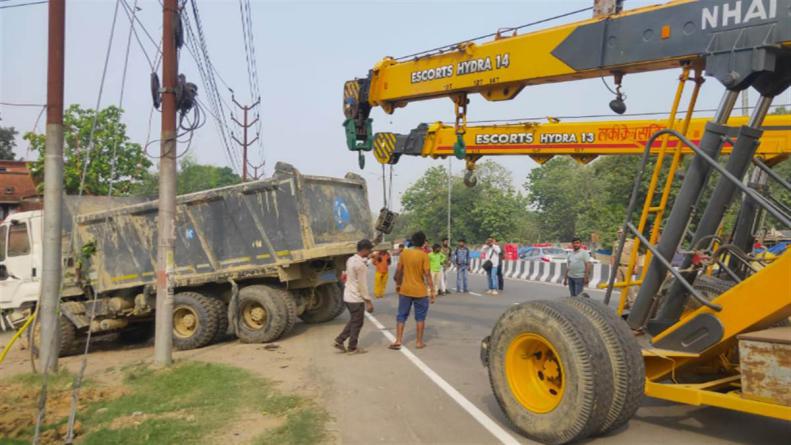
[(490, 425)]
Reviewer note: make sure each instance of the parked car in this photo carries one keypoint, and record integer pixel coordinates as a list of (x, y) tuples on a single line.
[(545, 254)]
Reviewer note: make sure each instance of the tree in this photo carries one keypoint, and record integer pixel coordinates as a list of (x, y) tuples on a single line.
[(109, 141), (493, 207), (7, 143), (192, 177)]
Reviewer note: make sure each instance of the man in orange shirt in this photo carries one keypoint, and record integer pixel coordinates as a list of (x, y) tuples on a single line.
[(414, 288), (382, 262)]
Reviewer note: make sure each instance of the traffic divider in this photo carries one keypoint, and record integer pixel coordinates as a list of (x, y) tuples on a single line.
[(547, 272)]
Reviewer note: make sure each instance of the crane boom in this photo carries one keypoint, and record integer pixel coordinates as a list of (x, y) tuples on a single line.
[(736, 41), (582, 140)]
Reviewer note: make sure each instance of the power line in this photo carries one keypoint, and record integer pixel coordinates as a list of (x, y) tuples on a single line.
[(196, 43), (246, 14), (132, 15), (11, 104), (24, 4)]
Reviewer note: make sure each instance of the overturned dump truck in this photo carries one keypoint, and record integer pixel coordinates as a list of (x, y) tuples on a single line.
[(249, 259)]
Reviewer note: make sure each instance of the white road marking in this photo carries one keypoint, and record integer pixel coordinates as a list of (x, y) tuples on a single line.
[(497, 431)]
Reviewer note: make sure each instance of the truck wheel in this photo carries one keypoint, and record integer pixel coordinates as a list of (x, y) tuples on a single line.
[(194, 320), (221, 311), (625, 358), (288, 305), (327, 304), (67, 339), (549, 375), (261, 317)]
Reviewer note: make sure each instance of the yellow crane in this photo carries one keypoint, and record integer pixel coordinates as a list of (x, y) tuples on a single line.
[(566, 370), (582, 140)]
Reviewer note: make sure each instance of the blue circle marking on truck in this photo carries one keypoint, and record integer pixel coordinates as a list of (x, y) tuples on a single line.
[(341, 212)]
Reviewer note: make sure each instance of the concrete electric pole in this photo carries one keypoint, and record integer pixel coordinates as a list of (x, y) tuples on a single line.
[(244, 142), (163, 341), (53, 191)]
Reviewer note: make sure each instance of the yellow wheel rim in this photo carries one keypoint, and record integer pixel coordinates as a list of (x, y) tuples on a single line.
[(254, 316), (535, 373), (185, 321)]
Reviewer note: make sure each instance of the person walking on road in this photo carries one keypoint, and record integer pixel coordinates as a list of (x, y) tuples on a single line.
[(415, 288), (356, 297), (436, 260), (491, 259), (445, 249), (500, 280), (461, 259), (578, 268), (381, 261)]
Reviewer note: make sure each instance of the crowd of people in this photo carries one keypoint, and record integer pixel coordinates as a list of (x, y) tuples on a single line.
[(421, 275)]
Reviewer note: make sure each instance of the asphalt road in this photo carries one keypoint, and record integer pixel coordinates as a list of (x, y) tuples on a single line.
[(458, 322)]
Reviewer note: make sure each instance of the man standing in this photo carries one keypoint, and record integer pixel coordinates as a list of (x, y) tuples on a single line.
[(578, 269), (621, 265), (436, 260), (500, 280), (355, 295), (415, 288), (491, 254), (445, 249), (461, 258), (381, 261)]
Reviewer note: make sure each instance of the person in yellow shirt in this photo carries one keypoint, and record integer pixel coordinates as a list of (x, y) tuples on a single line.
[(382, 263), (415, 288)]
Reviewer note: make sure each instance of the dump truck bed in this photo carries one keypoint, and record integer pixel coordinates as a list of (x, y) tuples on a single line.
[(254, 229)]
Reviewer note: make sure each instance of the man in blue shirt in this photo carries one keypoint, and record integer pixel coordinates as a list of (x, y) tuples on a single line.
[(579, 268), (461, 259)]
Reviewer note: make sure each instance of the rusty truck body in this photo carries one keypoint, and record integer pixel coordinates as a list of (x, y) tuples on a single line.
[(249, 259)]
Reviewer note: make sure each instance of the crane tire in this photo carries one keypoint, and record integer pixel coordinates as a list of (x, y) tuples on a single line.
[(329, 304), (262, 318), (551, 377), (194, 320), (625, 359)]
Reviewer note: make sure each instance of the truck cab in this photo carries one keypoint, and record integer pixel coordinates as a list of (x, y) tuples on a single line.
[(20, 260)]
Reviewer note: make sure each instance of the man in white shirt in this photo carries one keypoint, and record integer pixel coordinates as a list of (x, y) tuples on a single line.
[(490, 254), (356, 297)]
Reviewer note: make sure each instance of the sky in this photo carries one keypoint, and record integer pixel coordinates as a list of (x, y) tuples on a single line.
[(305, 51)]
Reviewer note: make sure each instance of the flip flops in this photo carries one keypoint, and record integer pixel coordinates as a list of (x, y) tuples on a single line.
[(394, 347)]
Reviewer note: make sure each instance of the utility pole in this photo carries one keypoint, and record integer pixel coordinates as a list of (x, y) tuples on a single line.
[(53, 191), (244, 142), (166, 224)]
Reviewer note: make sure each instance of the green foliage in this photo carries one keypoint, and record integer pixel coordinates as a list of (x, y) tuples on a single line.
[(192, 177), (110, 140), (493, 207), (572, 199), (7, 143)]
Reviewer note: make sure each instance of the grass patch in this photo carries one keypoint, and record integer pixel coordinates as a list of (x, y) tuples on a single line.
[(302, 427), (190, 402)]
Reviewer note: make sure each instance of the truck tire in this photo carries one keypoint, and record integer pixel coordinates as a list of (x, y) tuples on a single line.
[(262, 318), (288, 304), (194, 320), (625, 357), (221, 310), (68, 340), (328, 304), (550, 376)]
